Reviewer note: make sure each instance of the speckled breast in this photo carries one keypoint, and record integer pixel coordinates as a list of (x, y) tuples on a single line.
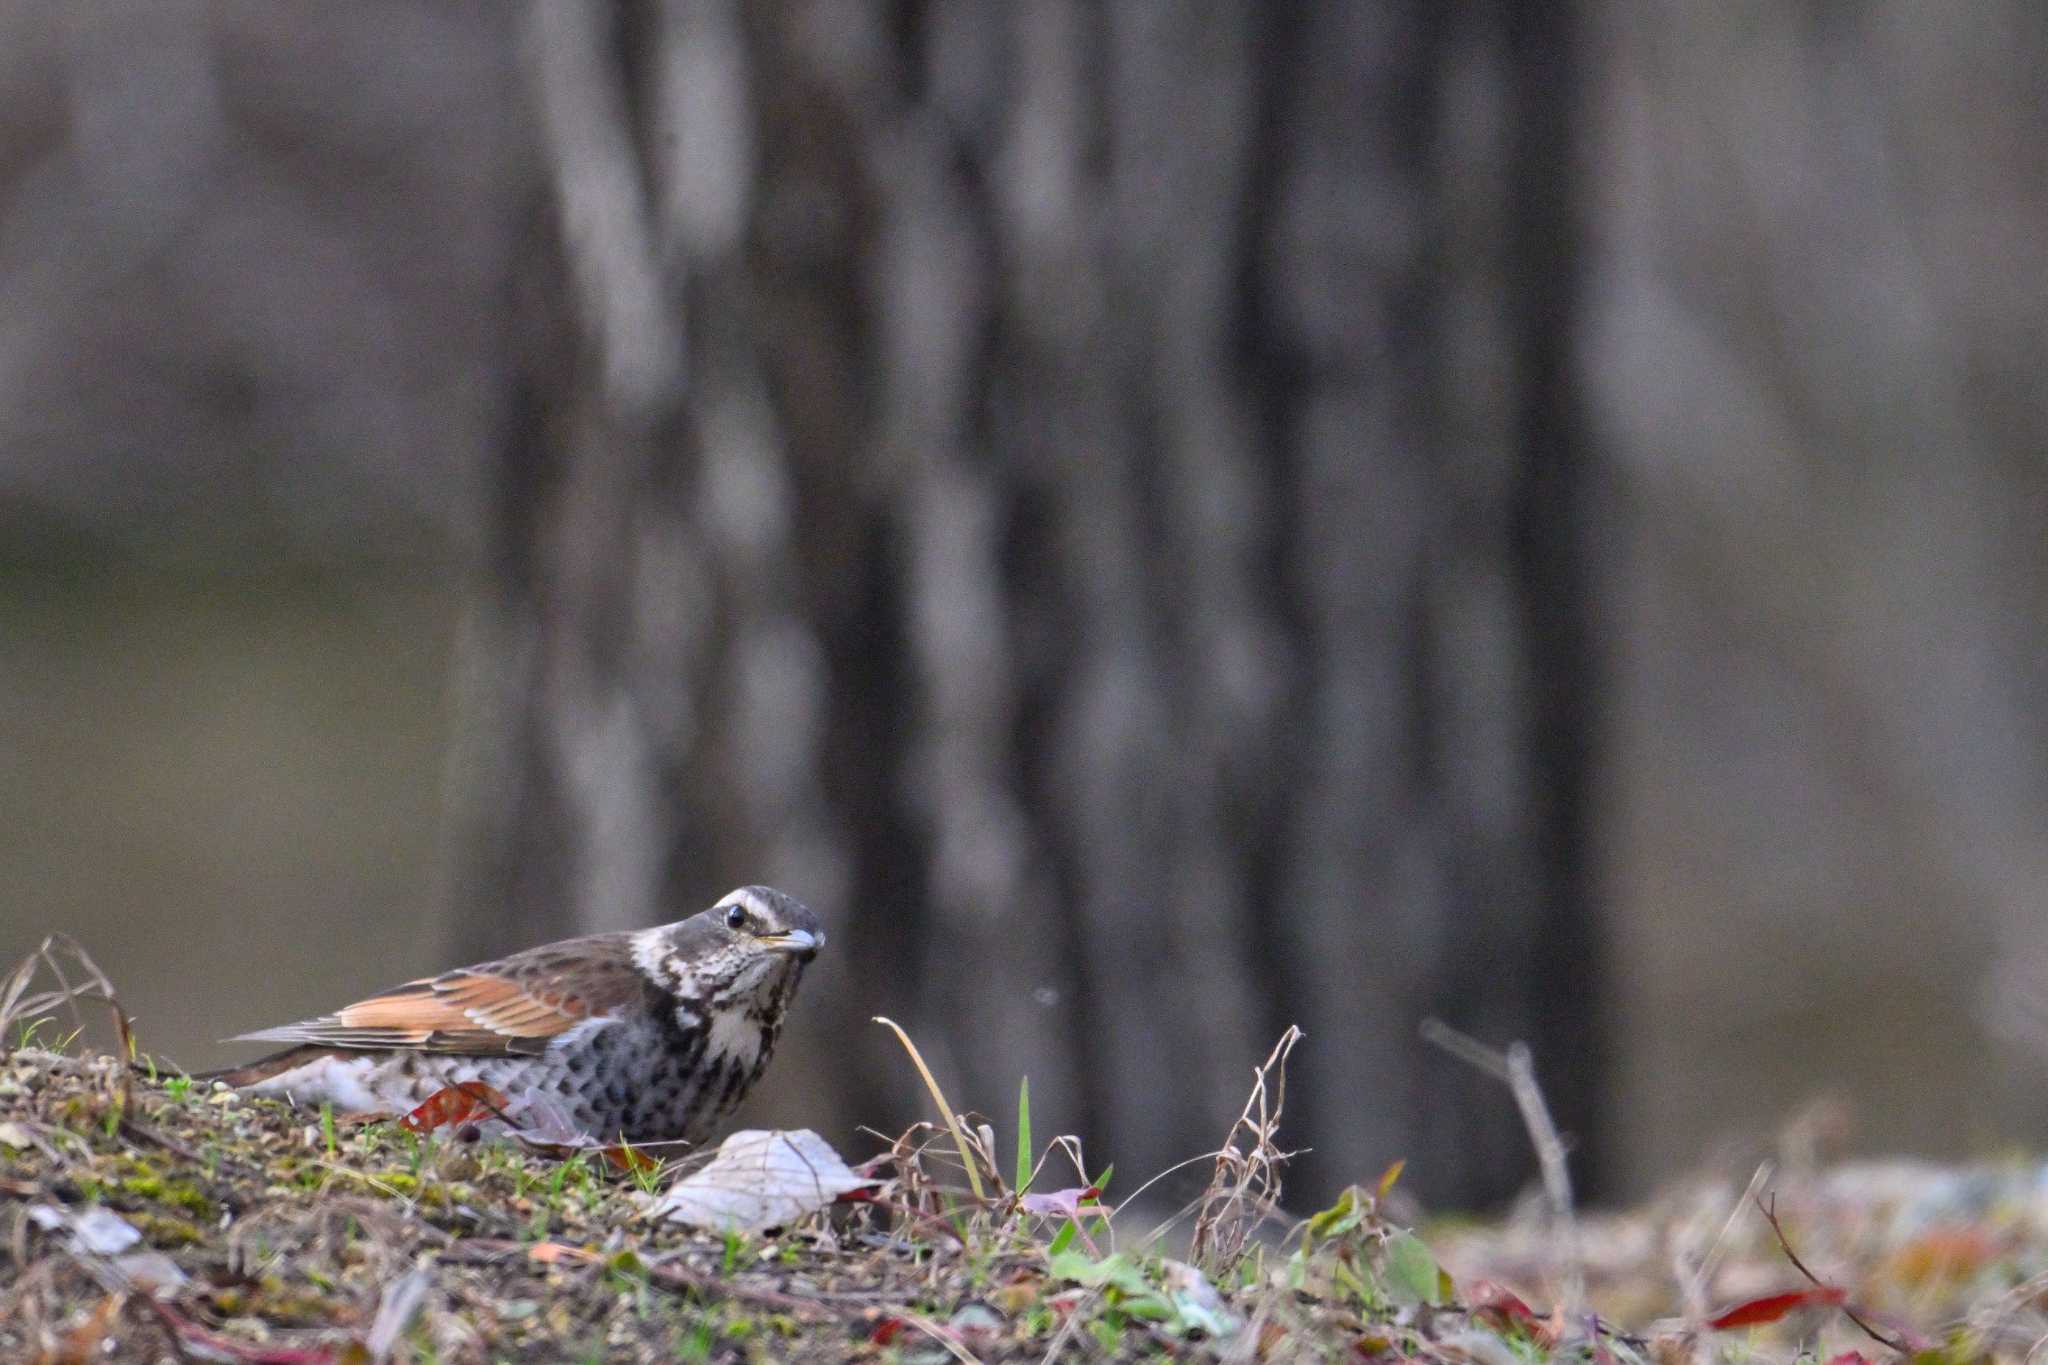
[(650, 1083)]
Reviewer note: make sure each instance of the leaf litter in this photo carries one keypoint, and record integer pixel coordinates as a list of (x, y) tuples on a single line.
[(148, 1216)]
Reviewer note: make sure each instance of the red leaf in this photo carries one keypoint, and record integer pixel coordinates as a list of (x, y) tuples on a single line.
[(887, 1330), (630, 1159), (1772, 1307), (468, 1102), (1501, 1308), (1491, 1298)]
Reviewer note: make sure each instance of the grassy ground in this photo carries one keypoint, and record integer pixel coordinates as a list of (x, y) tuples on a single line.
[(148, 1217)]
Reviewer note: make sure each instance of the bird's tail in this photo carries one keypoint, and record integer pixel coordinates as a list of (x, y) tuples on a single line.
[(263, 1068)]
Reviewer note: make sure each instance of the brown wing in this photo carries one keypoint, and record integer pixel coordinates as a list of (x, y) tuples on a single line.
[(496, 1008)]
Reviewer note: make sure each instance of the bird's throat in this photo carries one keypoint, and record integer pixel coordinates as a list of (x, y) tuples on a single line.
[(735, 1035)]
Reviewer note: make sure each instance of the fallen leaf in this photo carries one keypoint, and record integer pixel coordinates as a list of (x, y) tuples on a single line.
[(99, 1231), (151, 1271), (1772, 1307), (469, 1102), (548, 1253), (760, 1178), (1497, 1305), (630, 1159)]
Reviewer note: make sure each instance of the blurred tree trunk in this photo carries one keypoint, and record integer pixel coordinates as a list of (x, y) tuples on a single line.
[(1089, 497), (1813, 353)]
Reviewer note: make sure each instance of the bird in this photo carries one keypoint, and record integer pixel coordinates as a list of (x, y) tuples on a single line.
[(642, 1036)]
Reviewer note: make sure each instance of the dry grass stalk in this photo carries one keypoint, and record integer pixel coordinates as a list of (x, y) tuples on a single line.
[(1695, 1280), (1244, 1187), (945, 1109), (267, 1239), (20, 1011)]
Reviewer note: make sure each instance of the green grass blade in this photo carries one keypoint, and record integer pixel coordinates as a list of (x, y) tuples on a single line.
[(1023, 1135)]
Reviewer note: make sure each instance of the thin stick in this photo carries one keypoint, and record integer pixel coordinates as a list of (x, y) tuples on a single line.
[(1517, 1068), (1770, 1213), (1703, 1273)]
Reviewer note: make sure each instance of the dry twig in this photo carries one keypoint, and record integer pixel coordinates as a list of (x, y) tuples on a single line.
[(1770, 1213), (1516, 1068)]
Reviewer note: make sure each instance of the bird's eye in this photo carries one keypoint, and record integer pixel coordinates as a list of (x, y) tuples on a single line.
[(735, 917)]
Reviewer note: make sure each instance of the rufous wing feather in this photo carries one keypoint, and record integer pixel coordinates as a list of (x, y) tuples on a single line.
[(470, 1011)]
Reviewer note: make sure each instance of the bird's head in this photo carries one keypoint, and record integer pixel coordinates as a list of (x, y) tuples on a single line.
[(754, 942)]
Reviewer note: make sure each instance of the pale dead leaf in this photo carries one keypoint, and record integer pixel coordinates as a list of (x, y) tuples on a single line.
[(151, 1271), (99, 1231), (761, 1178)]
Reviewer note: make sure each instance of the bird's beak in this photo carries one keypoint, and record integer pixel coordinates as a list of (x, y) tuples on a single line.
[(798, 942)]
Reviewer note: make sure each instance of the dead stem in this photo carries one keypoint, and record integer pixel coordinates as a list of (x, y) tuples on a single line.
[(1517, 1069), (1247, 1171)]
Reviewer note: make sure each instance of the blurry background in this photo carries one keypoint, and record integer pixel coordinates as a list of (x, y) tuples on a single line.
[(1160, 520)]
